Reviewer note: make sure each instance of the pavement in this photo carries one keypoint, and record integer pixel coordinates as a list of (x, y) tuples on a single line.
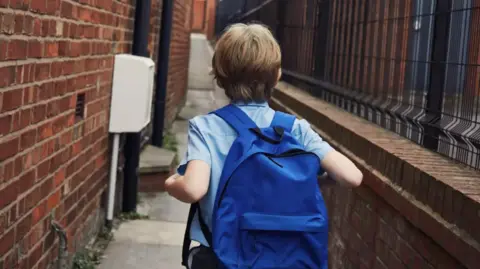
[(200, 64), (156, 243)]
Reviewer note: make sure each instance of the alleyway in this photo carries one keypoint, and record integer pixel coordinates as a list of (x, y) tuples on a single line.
[(157, 242)]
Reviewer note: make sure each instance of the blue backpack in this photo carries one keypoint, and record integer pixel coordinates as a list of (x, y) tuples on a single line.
[(269, 212)]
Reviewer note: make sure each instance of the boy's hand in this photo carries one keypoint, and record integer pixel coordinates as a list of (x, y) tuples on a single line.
[(325, 180), (170, 182)]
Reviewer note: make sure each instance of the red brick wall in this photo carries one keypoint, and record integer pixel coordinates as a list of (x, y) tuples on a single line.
[(385, 46), (472, 87), (179, 59), (52, 164), (296, 35), (210, 20), (199, 12), (415, 209), (367, 232), (203, 17)]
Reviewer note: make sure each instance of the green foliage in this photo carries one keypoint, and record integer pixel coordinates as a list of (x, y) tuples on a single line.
[(88, 259), (105, 234), (132, 216), (170, 142), (92, 256)]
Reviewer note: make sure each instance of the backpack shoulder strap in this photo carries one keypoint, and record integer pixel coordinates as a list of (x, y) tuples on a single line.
[(194, 209), (236, 118), (283, 120)]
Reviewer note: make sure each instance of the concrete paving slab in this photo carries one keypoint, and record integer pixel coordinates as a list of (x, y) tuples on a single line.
[(142, 256), (150, 232), (155, 160), (162, 207), (199, 77)]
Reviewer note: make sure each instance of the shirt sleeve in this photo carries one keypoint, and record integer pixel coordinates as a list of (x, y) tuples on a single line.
[(313, 142), (197, 148)]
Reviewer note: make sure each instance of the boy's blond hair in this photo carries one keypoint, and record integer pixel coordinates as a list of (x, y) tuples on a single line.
[(247, 62)]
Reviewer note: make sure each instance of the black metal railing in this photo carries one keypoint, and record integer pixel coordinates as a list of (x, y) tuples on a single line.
[(410, 66)]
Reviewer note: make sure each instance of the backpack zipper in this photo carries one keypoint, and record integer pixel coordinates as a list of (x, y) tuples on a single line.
[(273, 161), (290, 153)]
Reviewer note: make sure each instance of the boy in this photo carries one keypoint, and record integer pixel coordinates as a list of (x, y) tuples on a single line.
[(247, 65)]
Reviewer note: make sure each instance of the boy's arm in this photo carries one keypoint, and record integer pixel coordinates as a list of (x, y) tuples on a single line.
[(192, 186), (191, 182), (341, 169), (335, 164)]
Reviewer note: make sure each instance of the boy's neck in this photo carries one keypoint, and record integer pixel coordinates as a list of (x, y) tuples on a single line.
[(252, 103)]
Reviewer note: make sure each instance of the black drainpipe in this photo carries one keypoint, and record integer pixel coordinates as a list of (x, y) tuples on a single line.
[(162, 73), (133, 140)]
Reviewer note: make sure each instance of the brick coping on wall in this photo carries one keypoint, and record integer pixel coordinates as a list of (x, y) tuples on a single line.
[(437, 195)]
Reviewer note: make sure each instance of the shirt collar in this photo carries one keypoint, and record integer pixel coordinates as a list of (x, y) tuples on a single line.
[(252, 104)]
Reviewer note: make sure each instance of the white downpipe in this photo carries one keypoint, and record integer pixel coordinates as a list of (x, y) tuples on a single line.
[(113, 176)]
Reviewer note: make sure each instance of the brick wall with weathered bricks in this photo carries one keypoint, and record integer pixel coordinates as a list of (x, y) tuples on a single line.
[(472, 87), (365, 44), (54, 165), (179, 59), (203, 17), (415, 208)]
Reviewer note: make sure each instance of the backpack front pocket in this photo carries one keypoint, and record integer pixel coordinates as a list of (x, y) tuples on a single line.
[(276, 241)]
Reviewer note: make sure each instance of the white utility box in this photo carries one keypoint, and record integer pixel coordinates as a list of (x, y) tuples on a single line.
[(132, 93)]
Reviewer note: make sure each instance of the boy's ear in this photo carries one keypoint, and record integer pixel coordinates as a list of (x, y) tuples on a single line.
[(279, 74), (211, 72)]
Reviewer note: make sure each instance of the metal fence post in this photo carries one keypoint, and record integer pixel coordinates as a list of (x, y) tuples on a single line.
[(437, 75), (322, 33), (280, 21)]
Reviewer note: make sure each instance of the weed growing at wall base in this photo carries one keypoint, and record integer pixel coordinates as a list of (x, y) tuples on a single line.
[(170, 142), (92, 256), (87, 259), (133, 216)]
